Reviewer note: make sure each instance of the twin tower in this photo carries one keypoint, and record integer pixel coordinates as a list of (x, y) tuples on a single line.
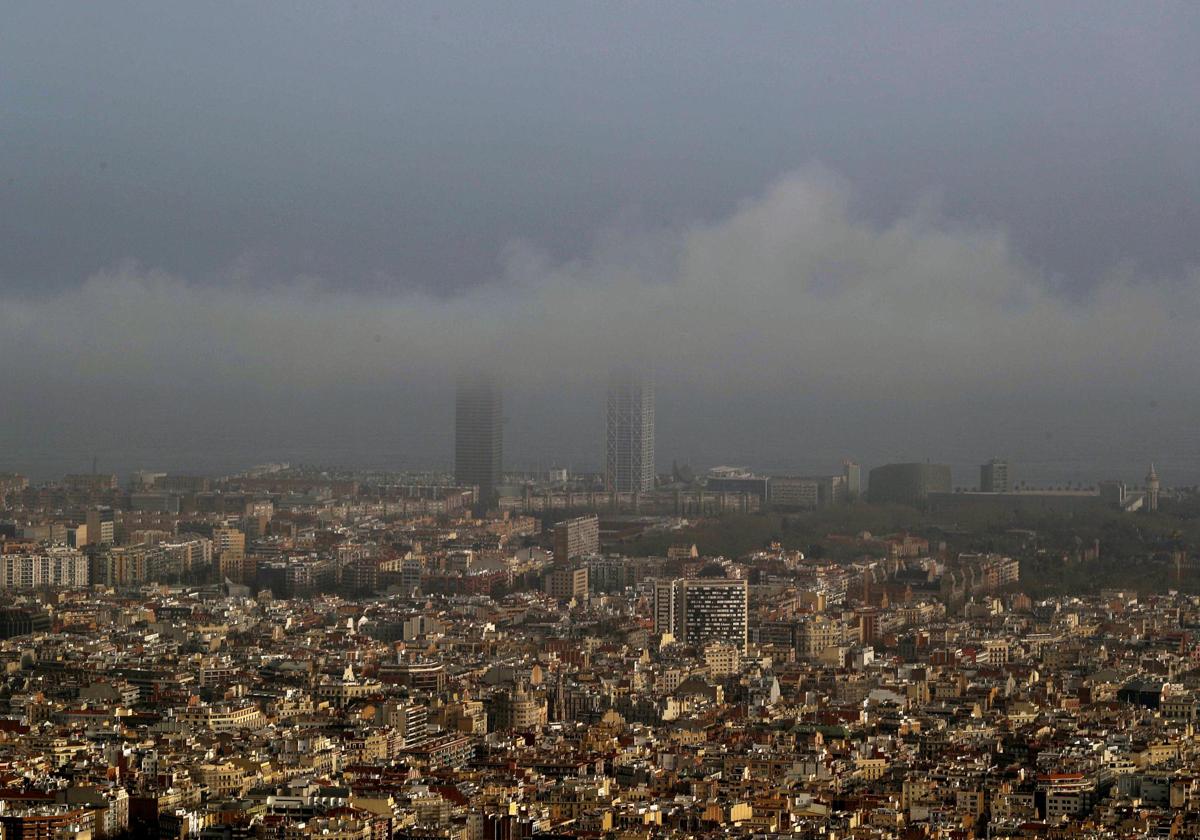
[(628, 439)]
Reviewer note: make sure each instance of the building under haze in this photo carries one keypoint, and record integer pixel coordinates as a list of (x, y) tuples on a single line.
[(478, 437), (852, 475), (795, 492), (629, 438), (907, 484), (1152, 489), (993, 477), (576, 538)]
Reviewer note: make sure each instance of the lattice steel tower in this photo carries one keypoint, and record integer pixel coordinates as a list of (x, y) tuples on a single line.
[(629, 442)]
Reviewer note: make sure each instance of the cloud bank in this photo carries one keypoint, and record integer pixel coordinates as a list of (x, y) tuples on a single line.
[(793, 316)]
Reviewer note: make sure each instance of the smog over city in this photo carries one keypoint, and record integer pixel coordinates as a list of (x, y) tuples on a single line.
[(906, 233), (557, 420)]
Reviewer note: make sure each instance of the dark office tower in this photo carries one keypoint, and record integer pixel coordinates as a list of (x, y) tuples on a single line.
[(993, 477), (478, 447), (907, 484), (629, 442)]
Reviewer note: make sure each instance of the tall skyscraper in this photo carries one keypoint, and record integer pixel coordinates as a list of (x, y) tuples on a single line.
[(629, 442), (478, 437)]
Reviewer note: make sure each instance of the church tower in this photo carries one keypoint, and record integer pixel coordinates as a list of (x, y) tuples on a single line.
[(1152, 489)]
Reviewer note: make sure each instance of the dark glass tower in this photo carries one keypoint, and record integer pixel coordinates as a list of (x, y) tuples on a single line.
[(478, 437)]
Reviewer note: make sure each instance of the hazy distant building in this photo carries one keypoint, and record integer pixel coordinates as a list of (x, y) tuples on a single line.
[(806, 492), (907, 484), (182, 484), (852, 476), (697, 611), (753, 485), (478, 437), (629, 440), (994, 477), (187, 556), (11, 483), (1114, 493), (1152, 489), (576, 537), (142, 481), (154, 502), (101, 525), (90, 482)]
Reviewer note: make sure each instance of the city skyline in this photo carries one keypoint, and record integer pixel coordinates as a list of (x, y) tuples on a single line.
[(559, 420), (1008, 273), (967, 473)]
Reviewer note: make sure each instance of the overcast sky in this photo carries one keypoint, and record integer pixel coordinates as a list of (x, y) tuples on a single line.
[(240, 231)]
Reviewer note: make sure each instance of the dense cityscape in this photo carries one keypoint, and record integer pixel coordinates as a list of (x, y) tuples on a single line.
[(560, 420), (298, 652)]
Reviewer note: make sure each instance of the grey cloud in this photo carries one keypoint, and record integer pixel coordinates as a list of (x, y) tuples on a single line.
[(789, 332), (400, 145)]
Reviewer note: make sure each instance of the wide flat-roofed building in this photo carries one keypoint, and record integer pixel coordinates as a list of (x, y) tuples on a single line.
[(576, 537), (907, 484)]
